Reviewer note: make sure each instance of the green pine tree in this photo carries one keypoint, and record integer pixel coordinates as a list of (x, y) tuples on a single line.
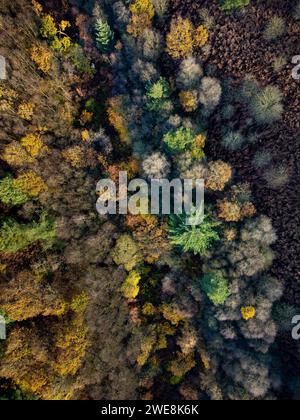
[(104, 36)]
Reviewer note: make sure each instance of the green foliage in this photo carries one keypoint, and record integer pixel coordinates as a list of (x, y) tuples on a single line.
[(180, 140), (126, 252), (157, 95), (104, 36), (216, 288), (197, 238), (227, 5), (80, 61), (15, 236), (10, 195), (266, 105)]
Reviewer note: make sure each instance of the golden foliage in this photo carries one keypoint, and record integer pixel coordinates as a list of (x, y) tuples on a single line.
[(25, 298), (146, 348), (146, 230), (37, 7), (85, 135), (34, 145), (142, 14), (219, 173), (230, 212), (70, 346), (86, 117), (148, 309), (248, 210), (172, 313), (180, 38), (200, 37), (126, 252), (130, 288), (182, 364), (42, 57), (15, 155), (75, 156), (230, 234), (31, 184), (248, 312), (79, 303), (188, 100), (25, 111), (3, 268), (117, 119)]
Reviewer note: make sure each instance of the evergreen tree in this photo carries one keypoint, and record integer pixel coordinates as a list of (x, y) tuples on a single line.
[(104, 36)]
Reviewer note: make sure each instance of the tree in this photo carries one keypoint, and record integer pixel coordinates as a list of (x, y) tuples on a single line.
[(142, 13), (196, 238), (276, 27), (219, 173), (266, 105), (200, 37), (228, 5), (180, 38), (15, 236), (156, 166), (130, 288), (157, 95), (126, 252), (104, 36), (10, 195), (216, 287), (177, 141)]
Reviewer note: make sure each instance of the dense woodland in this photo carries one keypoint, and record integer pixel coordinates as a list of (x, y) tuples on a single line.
[(142, 306)]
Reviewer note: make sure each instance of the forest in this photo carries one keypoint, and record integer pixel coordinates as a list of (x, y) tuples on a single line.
[(144, 306)]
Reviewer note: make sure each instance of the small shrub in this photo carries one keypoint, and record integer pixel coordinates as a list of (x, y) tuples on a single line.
[(10, 195), (180, 38), (179, 140), (104, 36), (266, 105), (197, 239), (275, 28), (233, 140), (216, 288)]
